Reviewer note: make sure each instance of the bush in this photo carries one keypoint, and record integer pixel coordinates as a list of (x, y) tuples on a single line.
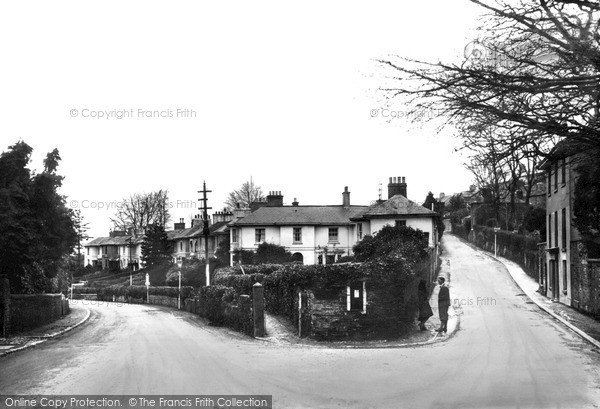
[(392, 242), (193, 273)]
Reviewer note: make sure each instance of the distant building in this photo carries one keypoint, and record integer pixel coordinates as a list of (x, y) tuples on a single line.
[(124, 248), (323, 234), (117, 251)]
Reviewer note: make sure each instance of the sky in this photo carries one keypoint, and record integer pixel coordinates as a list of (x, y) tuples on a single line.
[(147, 95)]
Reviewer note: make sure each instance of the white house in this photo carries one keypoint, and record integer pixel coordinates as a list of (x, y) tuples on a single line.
[(323, 234)]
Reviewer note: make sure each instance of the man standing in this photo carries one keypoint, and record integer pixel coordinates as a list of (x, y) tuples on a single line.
[(443, 304)]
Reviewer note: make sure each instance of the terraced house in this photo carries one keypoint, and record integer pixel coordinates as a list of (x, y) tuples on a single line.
[(323, 234), (568, 274)]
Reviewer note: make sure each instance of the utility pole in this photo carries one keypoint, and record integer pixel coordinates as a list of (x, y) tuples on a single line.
[(205, 230)]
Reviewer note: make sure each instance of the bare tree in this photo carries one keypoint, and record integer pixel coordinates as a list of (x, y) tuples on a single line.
[(535, 72), (249, 192), (142, 209)]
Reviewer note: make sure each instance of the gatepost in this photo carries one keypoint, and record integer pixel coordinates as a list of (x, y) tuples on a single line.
[(258, 309)]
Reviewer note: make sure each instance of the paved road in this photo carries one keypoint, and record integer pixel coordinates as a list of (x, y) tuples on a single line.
[(506, 354)]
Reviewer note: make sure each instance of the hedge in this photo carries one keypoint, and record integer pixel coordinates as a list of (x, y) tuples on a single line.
[(136, 291)]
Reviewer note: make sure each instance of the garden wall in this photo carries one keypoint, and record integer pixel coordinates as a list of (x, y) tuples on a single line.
[(27, 311)]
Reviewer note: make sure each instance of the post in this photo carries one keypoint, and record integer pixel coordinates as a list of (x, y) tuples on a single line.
[(258, 310), (496, 241), (495, 245), (147, 288), (205, 231), (179, 299)]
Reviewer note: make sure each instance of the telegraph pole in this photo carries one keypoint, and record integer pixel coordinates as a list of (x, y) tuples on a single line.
[(205, 230)]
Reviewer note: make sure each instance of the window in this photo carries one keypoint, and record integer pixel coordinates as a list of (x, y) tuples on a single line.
[(564, 283), (563, 177), (555, 176), (555, 229), (88, 251), (259, 235), (426, 236), (333, 234), (564, 228), (359, 233), (234, 235), (549, 230), (297, 235), (549, 182), (400, 223)]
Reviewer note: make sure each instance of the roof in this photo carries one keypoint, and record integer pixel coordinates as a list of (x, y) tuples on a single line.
[(397, 205), (114, 241), (300, 215), (178, 234)]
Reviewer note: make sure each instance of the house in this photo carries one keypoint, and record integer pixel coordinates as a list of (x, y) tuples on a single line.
[(124, 248), (313, 234), (397, 211), (117, 251), (323, 234), (566, 273), (189, 243)]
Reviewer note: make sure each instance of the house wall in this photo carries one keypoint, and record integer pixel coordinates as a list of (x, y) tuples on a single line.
[(559, 197), (312, 237)]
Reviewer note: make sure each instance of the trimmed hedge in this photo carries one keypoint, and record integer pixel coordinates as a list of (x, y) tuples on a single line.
[(521, 249), (136, 291)]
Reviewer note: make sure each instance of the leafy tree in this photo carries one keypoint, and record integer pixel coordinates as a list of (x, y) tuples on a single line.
[(244, 257), (222, 253), (455, 203), (586, 207), (248, 193), (392, 242), (81, 228), (143, 209), (535, 219), (156, 247), (36, 225), (268, 253)]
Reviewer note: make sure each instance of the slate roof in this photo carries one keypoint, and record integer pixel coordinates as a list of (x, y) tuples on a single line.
[(178, 234), (397, 205), (114, 241), (300, 215)]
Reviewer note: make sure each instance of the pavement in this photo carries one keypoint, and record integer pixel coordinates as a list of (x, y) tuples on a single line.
[(78, 315), (583, 325), (507, 353)]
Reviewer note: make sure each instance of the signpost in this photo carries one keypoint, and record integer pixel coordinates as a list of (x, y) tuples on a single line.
[(496, 229), (147, 289)]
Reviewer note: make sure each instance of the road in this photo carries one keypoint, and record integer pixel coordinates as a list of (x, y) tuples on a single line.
[(507, 353)]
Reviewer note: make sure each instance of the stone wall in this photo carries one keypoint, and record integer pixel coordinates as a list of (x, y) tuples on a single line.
[(27, 311), (324, 314), (585, 281)]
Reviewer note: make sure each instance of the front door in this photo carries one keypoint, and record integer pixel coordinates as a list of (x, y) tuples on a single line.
[(554, 278), (356, 297)]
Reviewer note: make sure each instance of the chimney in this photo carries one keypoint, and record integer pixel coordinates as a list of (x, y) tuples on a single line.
[(295, 203), (224, 216), (180, 225), (397, 186), (346, 197), (275, 199)]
